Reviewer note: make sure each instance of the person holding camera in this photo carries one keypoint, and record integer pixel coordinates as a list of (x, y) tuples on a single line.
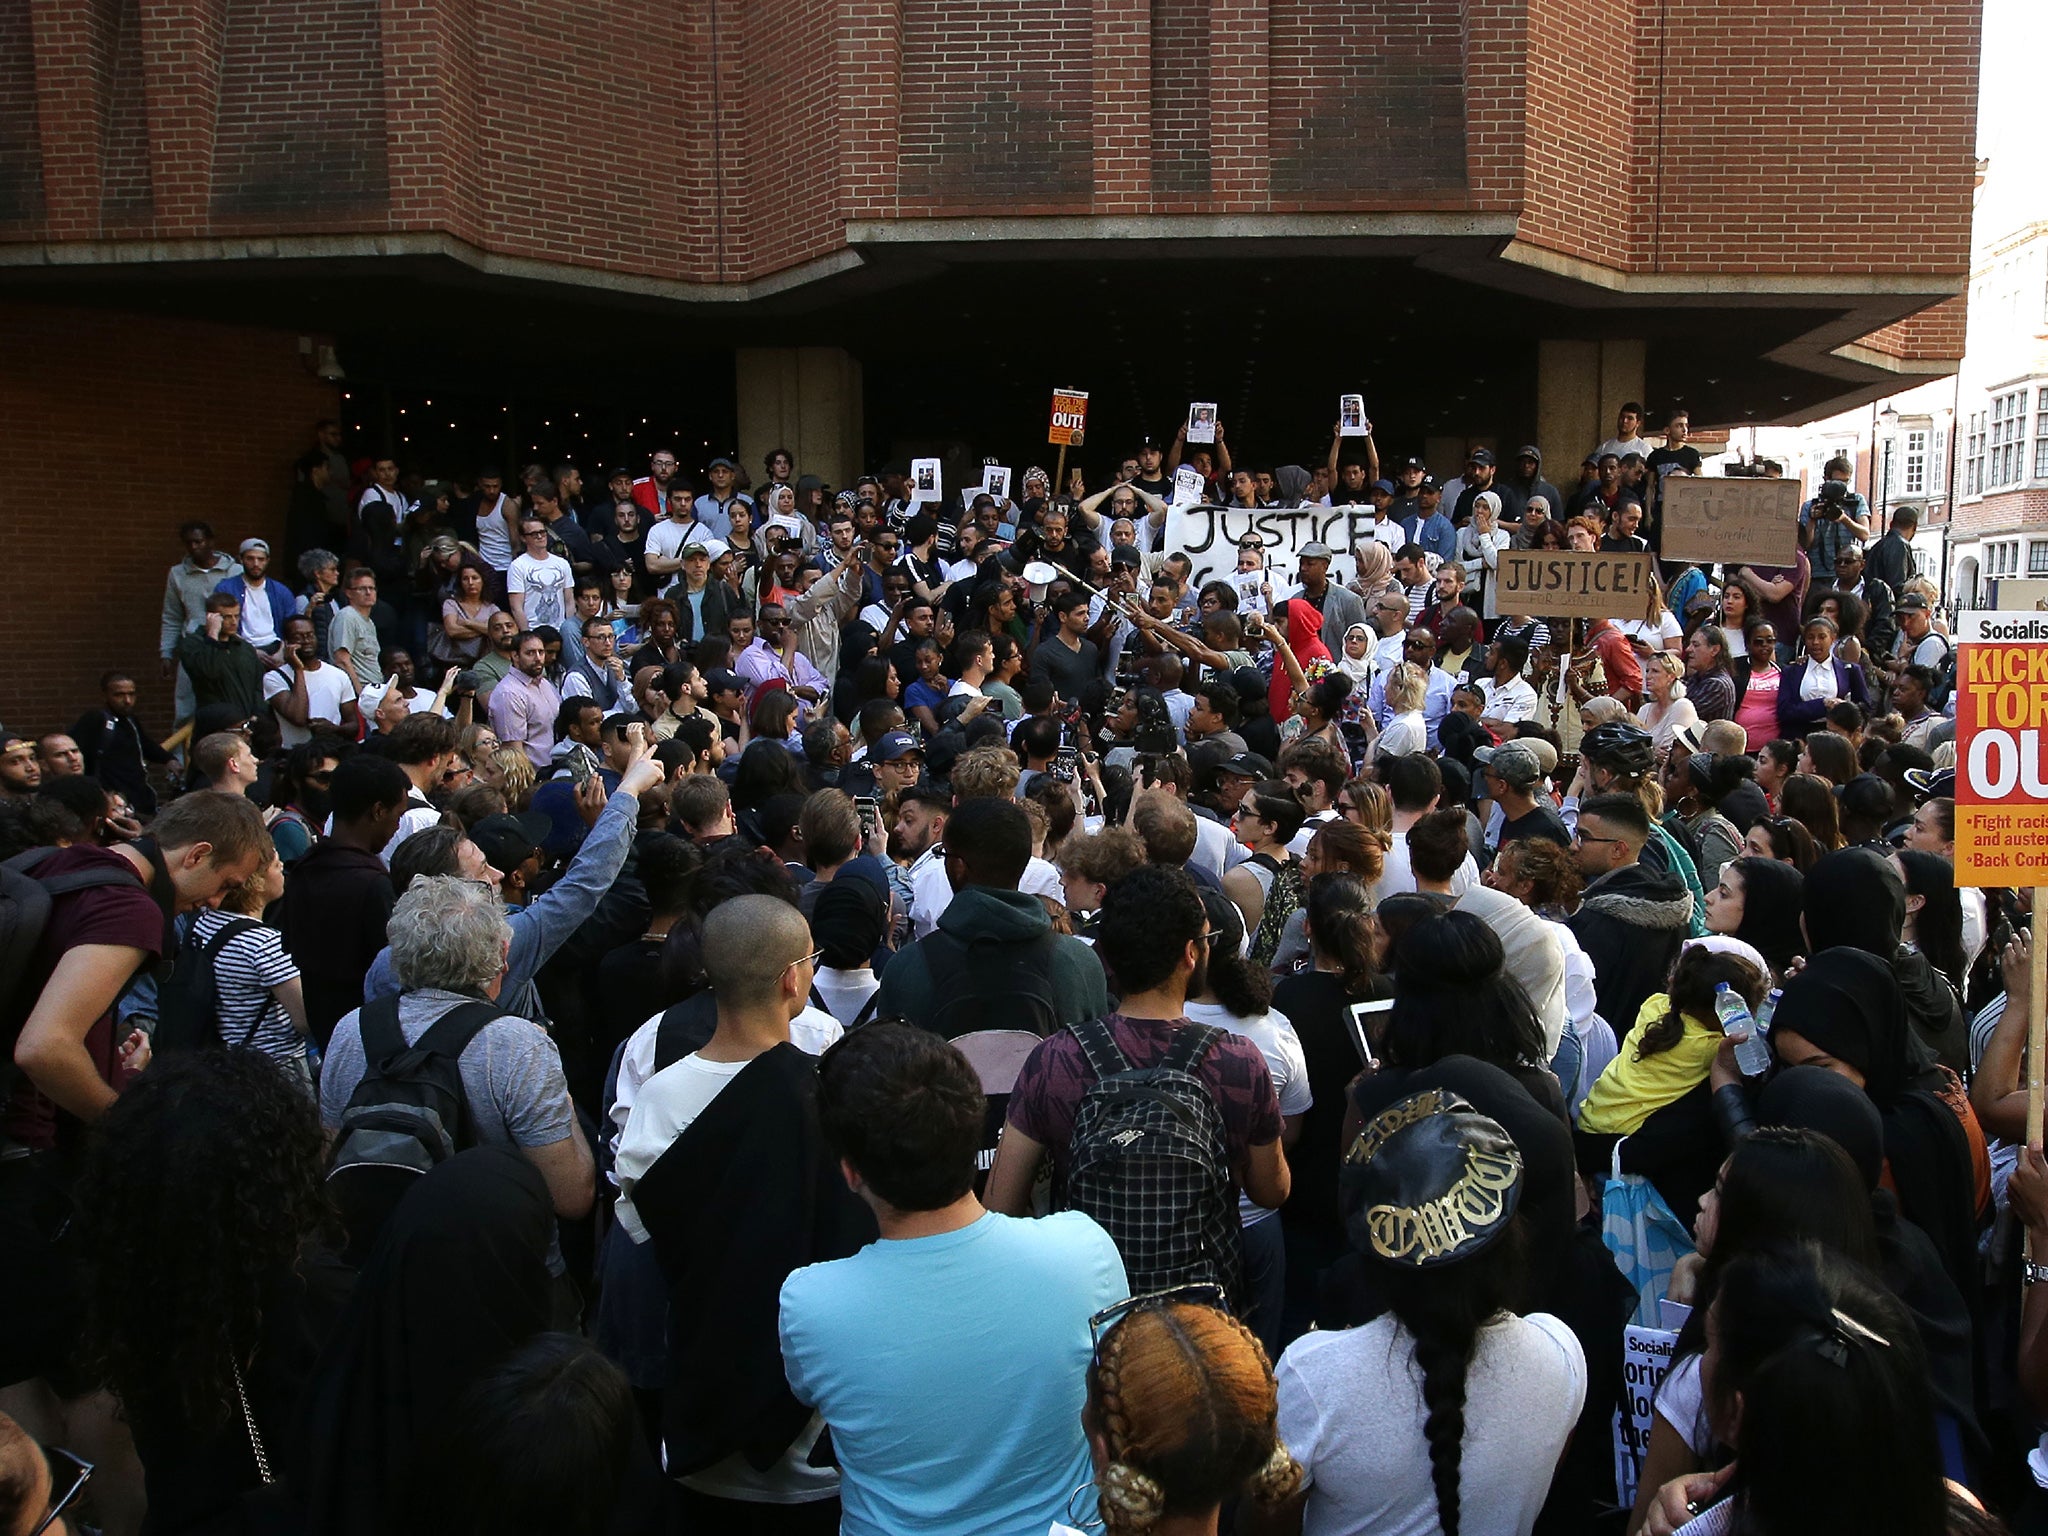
[(1836, 518)]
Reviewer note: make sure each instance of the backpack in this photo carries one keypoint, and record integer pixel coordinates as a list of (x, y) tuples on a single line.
[(1150, 1162), (408, 1115), (991, 984), (188, 1001), (1281, 901), (26, 900)]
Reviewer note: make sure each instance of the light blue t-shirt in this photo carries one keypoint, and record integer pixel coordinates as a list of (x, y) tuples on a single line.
[(952, 1371)]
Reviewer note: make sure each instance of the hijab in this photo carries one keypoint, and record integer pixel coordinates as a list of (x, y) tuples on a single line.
[(1375, 570), (457, 1279), (1305, 639), (1771, 904), (1854, 899), (1847, 1003), (1360, 672)]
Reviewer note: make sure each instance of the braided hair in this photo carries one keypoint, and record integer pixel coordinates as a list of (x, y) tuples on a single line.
[(1183, 1398), (1443, 1308)]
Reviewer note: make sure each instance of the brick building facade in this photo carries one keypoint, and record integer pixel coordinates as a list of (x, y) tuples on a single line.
[(1564, 202)]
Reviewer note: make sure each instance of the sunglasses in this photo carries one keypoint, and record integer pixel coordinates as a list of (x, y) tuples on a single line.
[(68, 1476), (1201, 1294)]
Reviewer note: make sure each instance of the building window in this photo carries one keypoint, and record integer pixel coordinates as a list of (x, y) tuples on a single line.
[(1973, 457), (2002, 462), (2041, 434), (1914, 482), (2037, 557), (1937, 467)]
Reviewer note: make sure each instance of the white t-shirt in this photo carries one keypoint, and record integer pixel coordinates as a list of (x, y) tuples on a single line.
[(845, 993), (1273, 1033), (327, 689), (931, 892), (1351, 1411), (1405, 734), (546, 583), (667, 537), (1657, 634), (1397, 877)]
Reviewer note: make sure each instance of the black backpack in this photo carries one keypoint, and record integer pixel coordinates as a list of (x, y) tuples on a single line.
[(188, 1002), (408, 1115), (26, 900), (1150, 1162), (991, 984)]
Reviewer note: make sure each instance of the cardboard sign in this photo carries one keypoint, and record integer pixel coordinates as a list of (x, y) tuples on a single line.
[(1568, 584), (1731, 521), (1209, 535), (925, 480), (1202, 422), (1069, 418), (1645, 1359), (2001, 767), (1351, 420)]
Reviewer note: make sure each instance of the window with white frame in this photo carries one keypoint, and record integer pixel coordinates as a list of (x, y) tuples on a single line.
[(1973, 456), (1937, 466), (1913, 482), (2002, 462), (2041, 434), (2037, 557)]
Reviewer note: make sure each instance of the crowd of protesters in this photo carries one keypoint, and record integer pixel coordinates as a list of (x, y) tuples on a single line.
[(709, 1002)]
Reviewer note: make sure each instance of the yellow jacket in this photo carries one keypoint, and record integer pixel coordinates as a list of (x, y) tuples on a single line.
[(1632, 1090)]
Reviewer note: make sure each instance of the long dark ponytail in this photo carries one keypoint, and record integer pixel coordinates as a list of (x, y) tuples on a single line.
[(1443, 1308)]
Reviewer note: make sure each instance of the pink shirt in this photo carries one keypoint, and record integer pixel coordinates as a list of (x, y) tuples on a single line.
[(1758, 712), (523, 709)]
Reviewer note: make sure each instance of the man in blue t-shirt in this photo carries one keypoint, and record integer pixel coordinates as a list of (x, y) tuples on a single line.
[(950, 1357)]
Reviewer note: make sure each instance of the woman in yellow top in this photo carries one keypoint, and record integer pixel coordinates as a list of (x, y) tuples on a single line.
[(1669, 1051)]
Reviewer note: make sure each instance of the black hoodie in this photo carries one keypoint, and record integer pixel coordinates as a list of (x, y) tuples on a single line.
[(1631, 924)]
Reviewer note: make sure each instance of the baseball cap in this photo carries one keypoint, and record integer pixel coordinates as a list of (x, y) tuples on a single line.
[(1127, 554), (1479, 456), (721, 462), (373, 696), (1529, 451), (1429, 483), (1429, 1181), (696, 547), (1384, 485), (1147, 442), (724, 680), (509, 840), (1408, 464), (893, 744), (1866, 795), (1246, 765), (249, 544), (1910, 602), (1546, 754), (1929, 784), (1315, 549), (1513, 761)]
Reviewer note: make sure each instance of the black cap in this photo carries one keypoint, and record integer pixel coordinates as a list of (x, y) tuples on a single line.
[(508, 840), (1480, 456), (1910, 602), (1411, 463), (1246, 765), (1126, 554), (1429, 1181)]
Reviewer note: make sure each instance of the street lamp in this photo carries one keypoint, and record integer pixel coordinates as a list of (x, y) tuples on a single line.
[(1888, 418)]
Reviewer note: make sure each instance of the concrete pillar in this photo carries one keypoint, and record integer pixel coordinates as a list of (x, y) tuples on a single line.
[(1579, 387), (805, 399)]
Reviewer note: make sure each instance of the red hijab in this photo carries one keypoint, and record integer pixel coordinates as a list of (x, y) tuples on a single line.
[(1305, 637)]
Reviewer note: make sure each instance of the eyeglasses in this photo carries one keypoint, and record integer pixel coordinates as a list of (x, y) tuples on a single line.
[(1581, 837), (68, 1476), (813, 958), (1201, 1294)]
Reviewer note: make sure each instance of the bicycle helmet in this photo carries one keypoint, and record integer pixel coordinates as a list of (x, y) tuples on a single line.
[(1618, 745)]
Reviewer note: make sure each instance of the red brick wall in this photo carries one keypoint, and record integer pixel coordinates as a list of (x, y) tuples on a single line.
[(126, 427), (724, 141), (1999, 513)]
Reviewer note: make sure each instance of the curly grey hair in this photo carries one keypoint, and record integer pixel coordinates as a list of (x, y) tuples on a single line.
[(448, 932), (314, 561)]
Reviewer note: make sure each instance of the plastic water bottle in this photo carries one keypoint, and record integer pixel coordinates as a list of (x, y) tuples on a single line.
[(1751, 1054), (1769, 1011)]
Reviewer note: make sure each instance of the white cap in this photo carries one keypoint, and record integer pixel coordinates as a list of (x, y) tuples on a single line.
[(249, 544)]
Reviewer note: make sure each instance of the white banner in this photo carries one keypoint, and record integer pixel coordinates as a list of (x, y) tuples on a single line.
[(1209, 535), (1645, 1358)]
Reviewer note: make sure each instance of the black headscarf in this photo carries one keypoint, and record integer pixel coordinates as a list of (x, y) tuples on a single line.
[(1847, 1004), (1854, 899), (458, 1278), (1771, 894)]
